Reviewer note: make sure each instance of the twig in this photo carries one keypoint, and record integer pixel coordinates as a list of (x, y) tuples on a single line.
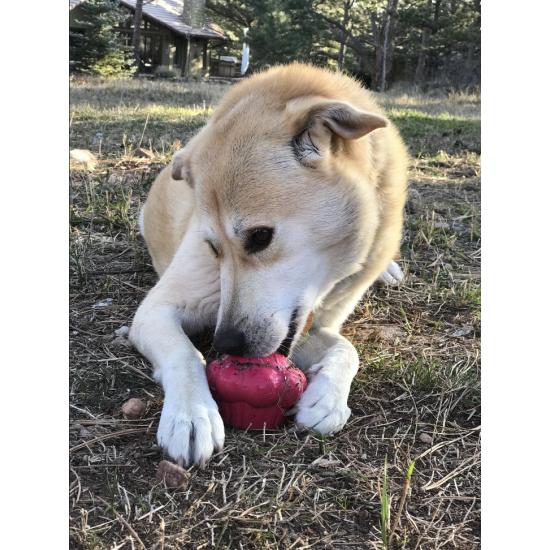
[(254, 508), (82, 411), (464, 466), (401, 504), (135, 369), (146, 121), (110, 422), (79, 486), (445, 443), (109, 436), (92, 466), (124, 522), (86, 332), (151, 512), (120, 272)]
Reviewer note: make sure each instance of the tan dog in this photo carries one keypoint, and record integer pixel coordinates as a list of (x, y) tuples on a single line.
[(288, 201)]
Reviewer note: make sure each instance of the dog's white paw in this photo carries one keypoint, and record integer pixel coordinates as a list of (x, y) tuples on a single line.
[(190, 431), (392, 275), (323, 405)]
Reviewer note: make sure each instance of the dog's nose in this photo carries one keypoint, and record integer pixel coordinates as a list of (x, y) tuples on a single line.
[(229, 341)]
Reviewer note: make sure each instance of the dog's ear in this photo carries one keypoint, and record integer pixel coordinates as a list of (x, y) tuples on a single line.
[(318, 120), (180, 167)]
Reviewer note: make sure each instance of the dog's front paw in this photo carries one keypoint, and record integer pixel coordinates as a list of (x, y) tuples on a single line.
[(323, 405), (190, 431), (392, 275)]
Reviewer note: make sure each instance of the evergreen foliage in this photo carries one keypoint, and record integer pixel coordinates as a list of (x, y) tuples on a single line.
[(429, 39), (98, 50)]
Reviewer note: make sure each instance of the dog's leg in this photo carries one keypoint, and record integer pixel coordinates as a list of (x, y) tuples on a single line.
[(392, 275), (185, 299), (330, 363)]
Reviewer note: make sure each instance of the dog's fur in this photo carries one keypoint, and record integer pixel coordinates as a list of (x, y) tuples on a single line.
[(307, 154)]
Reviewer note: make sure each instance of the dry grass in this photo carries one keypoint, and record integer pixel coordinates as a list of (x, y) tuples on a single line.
[(454, 103), (115, 117), (416, 396)]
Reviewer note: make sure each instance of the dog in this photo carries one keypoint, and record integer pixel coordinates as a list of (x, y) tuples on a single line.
[(289, 201)]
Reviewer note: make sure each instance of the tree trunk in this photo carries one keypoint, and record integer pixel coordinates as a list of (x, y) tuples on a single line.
[(136, 38), (419, 75), (377, 75), (187, 56), (383, 45), (391, 37), (389, 41), (471, 46), (347, 6), (355, 44)]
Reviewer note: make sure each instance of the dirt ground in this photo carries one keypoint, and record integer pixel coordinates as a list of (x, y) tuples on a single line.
[(415, 400)]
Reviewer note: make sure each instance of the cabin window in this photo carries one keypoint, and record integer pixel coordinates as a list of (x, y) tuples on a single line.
[(147, 25), (178, 55), (150, 52)]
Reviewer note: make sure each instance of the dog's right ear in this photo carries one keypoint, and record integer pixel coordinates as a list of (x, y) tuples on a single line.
[(318, 121), (180, 167)]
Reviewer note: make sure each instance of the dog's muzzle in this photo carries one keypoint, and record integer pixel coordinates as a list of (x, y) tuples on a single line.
[(284, 348)]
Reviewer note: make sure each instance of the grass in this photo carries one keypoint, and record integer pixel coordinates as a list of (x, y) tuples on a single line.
[(427, 134), (385, 514), (123, 114), (415, 399), (438, 123)]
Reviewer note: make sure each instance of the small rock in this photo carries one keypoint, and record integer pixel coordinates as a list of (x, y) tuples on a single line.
[(457, 226), (122, 331), (84, 431), (441, 225), (414, 202), (465, 332), (107, 302), (121, 342), (391, 332), (83, 157), (111, 182), (414, 207), (325, 462), (173, 475), (133, 409), (375, 333), (144, 153), (425, 438)]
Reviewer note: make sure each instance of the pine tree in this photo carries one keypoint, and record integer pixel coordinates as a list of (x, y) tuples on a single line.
[(436, 40), (98, 50)]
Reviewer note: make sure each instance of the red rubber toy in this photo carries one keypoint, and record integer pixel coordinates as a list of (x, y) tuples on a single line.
[(252, 390)]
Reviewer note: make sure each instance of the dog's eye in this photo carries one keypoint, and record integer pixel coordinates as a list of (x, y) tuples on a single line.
[(262, 236), (214, 250), (259, 239)]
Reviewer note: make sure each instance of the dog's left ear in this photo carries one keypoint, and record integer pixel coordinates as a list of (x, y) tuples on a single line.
[(180, 169), (318, 119)]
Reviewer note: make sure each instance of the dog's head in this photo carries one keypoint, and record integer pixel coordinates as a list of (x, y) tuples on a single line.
[(283, 207)]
